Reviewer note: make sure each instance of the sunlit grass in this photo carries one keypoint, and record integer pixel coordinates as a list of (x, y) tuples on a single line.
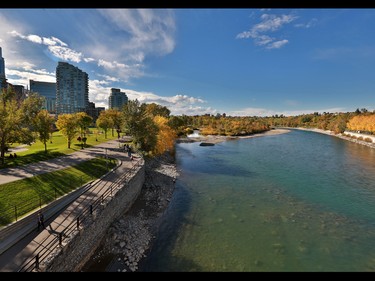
[(57, 147), (20, 197)]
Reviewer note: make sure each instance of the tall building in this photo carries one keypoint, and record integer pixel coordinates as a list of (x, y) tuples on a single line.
[(3, 83), (117, 99), (72, 89), (47, 90)]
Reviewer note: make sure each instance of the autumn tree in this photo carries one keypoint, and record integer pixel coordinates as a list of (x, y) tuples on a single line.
[(17, 119), (43, 126), (166, 136), (83, 121), (104, 122), (67, 124), (117, 120)]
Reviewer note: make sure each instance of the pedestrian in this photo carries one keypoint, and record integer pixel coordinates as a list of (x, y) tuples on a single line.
[(40, 220)]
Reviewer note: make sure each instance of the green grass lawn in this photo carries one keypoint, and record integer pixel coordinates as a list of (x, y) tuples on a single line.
[(56, 148), (20, 197), (23, 196)]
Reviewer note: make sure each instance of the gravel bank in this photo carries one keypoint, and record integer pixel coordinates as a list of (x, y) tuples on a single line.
[(128, 239)]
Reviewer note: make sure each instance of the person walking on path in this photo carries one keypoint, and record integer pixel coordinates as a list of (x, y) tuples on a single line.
[(40, 220)]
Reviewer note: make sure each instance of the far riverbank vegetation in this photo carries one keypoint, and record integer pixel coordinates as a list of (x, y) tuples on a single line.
[(151, 127)]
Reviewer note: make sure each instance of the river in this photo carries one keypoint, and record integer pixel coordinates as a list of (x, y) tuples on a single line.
[(299, 201)]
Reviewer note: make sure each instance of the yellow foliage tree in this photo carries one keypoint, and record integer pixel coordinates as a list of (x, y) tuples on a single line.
[(362, 123), (67, 124), (166, 136)]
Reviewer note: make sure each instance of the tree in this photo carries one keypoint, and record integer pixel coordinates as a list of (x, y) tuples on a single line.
[(17, 119), (154, 109), (140, 125), (117, 120), (104, 122), (83, 121), (67, 124), (43, 125), (166, 136)]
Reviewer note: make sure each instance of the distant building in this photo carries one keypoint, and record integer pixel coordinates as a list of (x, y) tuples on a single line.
[(3, 83), (93, 111), (117, 99), (48, 91), (72, 89)]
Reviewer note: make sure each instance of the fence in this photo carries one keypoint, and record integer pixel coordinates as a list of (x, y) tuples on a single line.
[(90, 202), (13, 213)]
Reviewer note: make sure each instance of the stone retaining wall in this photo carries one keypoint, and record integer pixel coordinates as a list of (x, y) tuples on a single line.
[(73, 256)]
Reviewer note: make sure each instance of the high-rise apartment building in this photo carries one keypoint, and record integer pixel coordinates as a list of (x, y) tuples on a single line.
[(3, 83), (48, 91), (117, 99), (72, 89)]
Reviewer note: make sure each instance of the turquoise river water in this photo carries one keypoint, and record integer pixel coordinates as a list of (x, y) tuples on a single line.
[(299, 201)]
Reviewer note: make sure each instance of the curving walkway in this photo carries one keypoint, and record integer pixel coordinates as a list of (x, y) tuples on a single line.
[(12, 258), (47, 166)]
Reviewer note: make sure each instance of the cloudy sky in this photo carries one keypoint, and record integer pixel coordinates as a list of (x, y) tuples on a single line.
[(196, 61)]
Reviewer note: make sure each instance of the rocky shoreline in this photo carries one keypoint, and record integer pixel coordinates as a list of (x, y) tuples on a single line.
[(129, 239)]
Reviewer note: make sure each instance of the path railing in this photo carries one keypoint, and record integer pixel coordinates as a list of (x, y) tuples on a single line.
[(91, 201)]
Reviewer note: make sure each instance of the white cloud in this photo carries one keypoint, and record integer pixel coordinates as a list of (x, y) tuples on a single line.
[(57, 47), (22, 77), (49, 41), (88, 59), (34, 38), (178, 104), (311, 23), (269, 23), (277, 44), (117, 40), (65, 53)]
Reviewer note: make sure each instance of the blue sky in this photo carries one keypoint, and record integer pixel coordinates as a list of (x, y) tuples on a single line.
[(242, 62)]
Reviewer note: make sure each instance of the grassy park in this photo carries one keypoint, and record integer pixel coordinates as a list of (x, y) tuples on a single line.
[(20, 197), (55, 148)]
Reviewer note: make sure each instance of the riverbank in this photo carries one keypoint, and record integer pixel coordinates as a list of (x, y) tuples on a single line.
[(343, 136), (214, 139), (129, 239)]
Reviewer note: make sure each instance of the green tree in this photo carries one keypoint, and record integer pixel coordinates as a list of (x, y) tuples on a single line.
[(17, 119), (140, 125), (67, 124), (43, 125), (154, 109)]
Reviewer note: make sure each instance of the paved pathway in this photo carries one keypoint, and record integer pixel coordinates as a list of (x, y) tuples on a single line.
[(12, 258), (30, 170)]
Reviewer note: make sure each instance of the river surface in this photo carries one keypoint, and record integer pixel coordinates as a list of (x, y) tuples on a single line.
[(300, 201)]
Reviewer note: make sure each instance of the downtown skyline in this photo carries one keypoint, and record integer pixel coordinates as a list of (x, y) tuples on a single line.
[(241, 62)]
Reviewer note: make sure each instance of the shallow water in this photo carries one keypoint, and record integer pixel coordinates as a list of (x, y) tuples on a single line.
[(300, 201)]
